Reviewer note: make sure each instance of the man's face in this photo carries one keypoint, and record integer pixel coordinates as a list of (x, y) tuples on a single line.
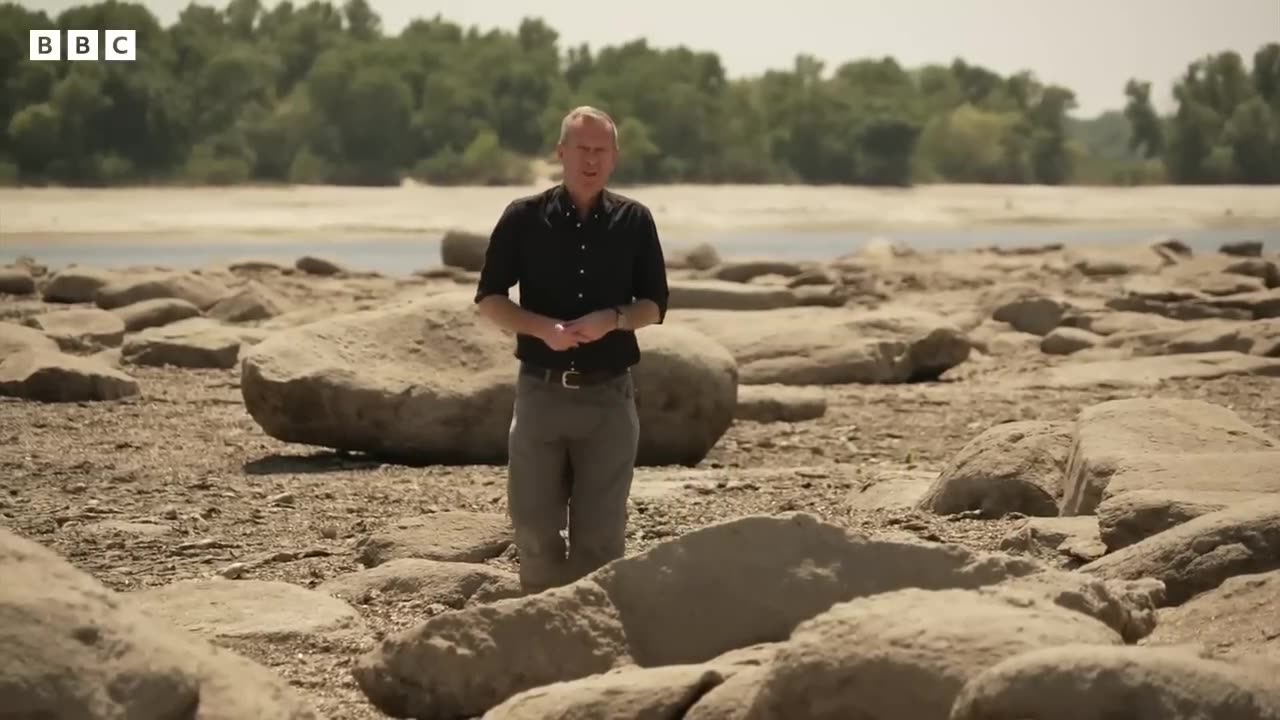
[(588, 155)]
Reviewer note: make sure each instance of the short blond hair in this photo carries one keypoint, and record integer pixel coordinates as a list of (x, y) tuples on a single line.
[(587, 111)]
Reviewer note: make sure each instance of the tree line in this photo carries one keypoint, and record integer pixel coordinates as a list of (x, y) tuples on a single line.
[(320, 93)]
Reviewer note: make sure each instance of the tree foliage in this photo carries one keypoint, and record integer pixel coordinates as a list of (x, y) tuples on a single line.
[(1226, 127), (322, 93)]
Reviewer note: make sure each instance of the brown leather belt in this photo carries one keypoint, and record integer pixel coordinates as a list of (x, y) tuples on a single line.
[(571, 378)]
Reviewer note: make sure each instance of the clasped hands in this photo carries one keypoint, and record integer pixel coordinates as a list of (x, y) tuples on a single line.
[(588, 328)]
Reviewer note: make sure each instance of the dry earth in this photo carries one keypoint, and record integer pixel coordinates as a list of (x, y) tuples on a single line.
[(134, 426)]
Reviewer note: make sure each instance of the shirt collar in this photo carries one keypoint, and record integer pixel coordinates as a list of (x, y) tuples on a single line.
[(561, 206)]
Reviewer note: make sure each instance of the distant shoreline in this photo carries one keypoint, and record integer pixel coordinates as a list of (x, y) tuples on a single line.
[(685, 213), (338, 236)]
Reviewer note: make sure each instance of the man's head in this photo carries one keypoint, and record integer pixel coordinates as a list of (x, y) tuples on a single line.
[(588, 150)]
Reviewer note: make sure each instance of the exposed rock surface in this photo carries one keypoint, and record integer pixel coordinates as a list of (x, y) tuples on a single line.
[(429, 381), (77, 649)]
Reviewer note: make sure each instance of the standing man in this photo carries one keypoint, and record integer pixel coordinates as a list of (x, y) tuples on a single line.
[(591, 272)]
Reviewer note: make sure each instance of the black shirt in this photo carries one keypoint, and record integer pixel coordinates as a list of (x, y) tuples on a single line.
[(567, 267)]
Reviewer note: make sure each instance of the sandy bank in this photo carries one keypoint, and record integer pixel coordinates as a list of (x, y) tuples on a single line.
[(226, 215)]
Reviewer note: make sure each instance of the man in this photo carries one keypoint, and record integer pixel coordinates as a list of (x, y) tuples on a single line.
[(591, 272)]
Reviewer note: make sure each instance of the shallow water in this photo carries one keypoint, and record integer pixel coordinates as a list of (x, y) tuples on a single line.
[(398, 255), (397, 230)]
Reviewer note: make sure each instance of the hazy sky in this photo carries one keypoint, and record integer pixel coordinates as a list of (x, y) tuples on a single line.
[(1091, 46)]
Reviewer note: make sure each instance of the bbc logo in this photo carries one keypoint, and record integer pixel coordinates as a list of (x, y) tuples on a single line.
[(117, 46)]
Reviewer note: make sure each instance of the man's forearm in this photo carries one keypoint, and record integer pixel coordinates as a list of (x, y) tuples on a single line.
[(504, 313), (641, 313)]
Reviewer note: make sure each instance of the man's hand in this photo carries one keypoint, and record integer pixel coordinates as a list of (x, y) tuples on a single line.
[(560, 337), (593, 326)]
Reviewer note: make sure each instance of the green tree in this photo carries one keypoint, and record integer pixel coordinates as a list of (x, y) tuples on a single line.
[(1147, 135), (320, 91)]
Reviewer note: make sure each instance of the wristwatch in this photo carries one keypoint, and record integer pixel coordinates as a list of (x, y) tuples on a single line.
[(622, 318)]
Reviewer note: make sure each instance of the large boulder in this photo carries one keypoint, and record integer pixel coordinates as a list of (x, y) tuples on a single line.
[(897, 654), (999, 339), (455, 536), (747, 269), (196, 342), (1266, 269), (153, 313), (1235, 620), (686, 601), (1108, 682), (1260, 304), (15, 338), (726, 295), (128, 288), (661, 692), (460, 664), (1242, 248), (1068, 340), (1148, 494), (262, 610), (254, 301), (908, 654), (1199, 555), (76, 284), (828, 346), (1158, 297), (1036, 315), (81, 329), (1011, 467), (1206, 272), (47, 376), (16, 281), (463, 250), (431, 381), (1117, 260), (74, 649), (1147, 372), (1112, 435), (1255, 337), (322, 266), (1068, 541), (452, 584), (1112, 322)]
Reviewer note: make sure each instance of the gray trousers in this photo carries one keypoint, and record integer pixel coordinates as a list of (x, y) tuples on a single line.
[(572, 454)]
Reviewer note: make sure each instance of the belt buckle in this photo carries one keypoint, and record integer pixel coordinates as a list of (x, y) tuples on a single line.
[(564, 379)]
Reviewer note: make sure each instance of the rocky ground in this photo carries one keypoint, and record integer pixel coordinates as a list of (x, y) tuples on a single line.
[(920, 399)]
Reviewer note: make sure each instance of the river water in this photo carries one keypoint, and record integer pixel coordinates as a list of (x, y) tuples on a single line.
[(396, 230), (400, 256)]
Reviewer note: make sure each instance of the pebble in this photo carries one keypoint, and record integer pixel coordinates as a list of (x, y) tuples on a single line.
[(282, 499)]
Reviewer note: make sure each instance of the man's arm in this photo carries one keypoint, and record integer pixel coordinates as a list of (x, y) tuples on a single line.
[(501, 271), (649, 278), (501, 311)]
